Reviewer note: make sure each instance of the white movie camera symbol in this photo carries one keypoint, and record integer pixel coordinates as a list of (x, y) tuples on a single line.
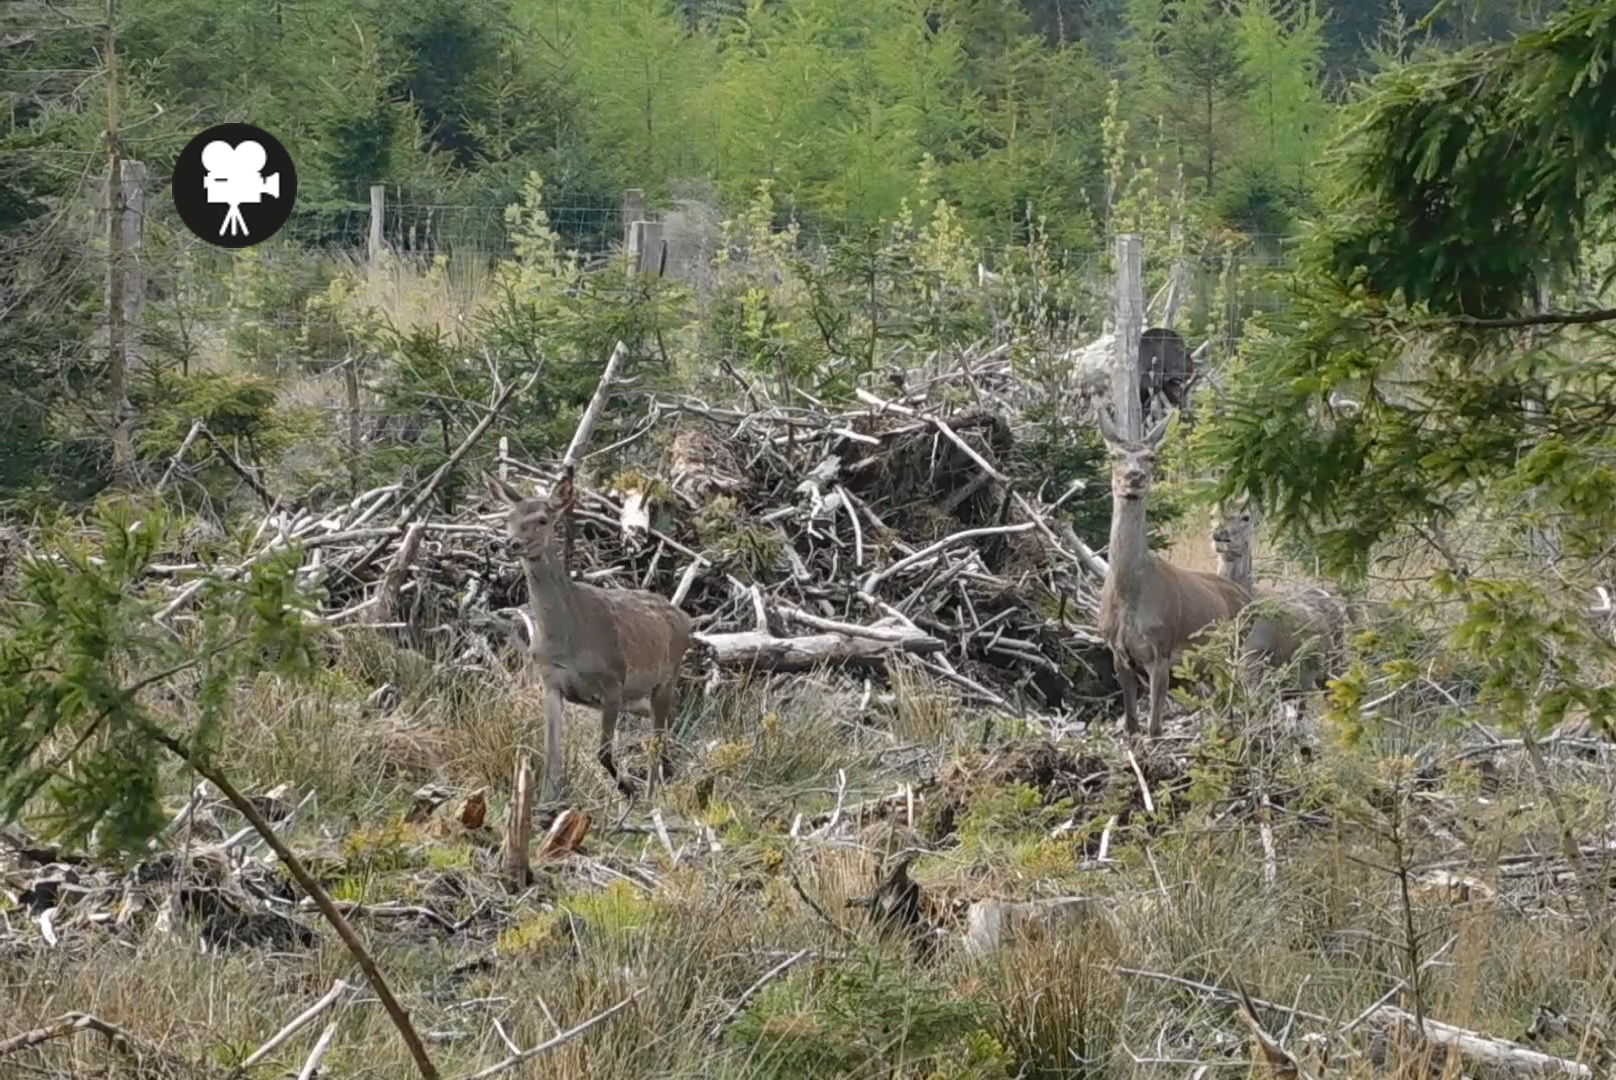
[(235, 176)]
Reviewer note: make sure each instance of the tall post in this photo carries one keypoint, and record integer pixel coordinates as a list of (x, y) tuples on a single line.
[(1128, 317), (378, 215), (633, 210), (647, 252), (356, 442)]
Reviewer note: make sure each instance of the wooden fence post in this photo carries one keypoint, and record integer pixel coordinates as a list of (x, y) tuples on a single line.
[(378, 216), (633, 210), (1128, 316), (648, 252)]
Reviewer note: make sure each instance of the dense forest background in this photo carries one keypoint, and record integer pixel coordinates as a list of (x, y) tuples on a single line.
[(453, 102), (1197, 121)]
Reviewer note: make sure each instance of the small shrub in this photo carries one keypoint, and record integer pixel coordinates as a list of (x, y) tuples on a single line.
[(862, 1017)]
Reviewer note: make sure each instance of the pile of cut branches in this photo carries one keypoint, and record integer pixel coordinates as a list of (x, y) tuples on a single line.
[(797, 538)]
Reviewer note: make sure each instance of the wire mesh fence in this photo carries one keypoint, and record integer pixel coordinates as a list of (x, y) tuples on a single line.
[(269, 305)]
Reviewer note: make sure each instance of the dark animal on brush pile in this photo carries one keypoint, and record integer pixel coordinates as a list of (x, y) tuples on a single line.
[(1150, 610), (1165, 369), (601, 648)]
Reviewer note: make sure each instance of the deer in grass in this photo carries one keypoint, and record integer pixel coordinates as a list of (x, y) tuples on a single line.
[(1150, 610), (600, 648), (1307, 620)]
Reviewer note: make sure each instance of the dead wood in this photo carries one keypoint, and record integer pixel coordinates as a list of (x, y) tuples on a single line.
[(796, 538)]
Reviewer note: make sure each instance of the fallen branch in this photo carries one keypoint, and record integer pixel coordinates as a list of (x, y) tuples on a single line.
[(143, 1051), (322, 900), (550, 1044), (762, 651), (311, 1066), (297, 1023), (751, 991), (1475, 1048)]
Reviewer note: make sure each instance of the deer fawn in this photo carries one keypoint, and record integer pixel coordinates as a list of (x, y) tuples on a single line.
[(602, 648), (1308, 620), (1149, 608)]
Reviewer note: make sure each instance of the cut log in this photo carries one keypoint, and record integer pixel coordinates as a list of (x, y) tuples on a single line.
[(766, 652), (1474, 1048)]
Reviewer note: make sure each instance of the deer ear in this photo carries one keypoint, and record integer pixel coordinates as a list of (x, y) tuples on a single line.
[(1107, 426), (563, 493), (499, 490)]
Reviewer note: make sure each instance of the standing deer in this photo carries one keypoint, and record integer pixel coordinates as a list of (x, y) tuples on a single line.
[(1149, 608), (1309, 618), (601, 648)]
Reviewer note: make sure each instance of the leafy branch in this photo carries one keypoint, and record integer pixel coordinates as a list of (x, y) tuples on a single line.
[(80, 653)]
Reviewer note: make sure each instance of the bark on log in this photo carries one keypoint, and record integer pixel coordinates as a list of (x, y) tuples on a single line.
[(1474, 1048), (766, 652)]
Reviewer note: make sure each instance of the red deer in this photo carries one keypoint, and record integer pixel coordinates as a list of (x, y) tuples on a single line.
[(1150, 610), (601, 648)]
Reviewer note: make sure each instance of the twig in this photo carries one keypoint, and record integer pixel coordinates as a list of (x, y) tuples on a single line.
[(1521, 322), (1144, 788), (297, 1023), (550, 1044), (136, 1046), (431, 486), (751, 991), (874, 579), (1220, 992), (179, 455), (312, 1066), (322, 900), (818, 909), (597, 403)]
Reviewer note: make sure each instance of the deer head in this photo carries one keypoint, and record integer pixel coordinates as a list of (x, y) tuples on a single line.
[(1231, 536), (1133, 464), (532, 520)]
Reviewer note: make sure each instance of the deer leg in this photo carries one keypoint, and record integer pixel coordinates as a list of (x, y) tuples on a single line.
[(611, 705), (550, 786), (661, 765), (1130, 691), (1161, 673)]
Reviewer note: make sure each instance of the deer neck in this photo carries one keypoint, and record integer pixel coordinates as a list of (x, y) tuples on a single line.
[(552, 595), (1237, 568), (1129, 550)]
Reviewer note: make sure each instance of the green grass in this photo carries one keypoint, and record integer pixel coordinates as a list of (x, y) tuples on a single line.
[(1309, 915)]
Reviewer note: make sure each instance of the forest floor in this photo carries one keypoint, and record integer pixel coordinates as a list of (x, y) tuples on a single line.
[(1416, 867)]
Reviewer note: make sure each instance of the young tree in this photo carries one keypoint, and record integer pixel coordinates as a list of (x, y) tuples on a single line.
[(1281, 46), (1465, 187), (96, 694), (1209, 75)]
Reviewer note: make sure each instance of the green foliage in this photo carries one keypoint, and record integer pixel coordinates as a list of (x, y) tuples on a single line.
[(83, 665), (1465, 177), (862, 1016), (1463, 184), (234, 407)]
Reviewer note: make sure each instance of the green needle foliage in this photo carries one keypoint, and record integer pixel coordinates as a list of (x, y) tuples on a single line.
[(87, 677), (1462, 184)]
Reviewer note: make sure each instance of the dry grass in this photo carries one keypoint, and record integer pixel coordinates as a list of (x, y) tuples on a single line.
[(1317, 924)]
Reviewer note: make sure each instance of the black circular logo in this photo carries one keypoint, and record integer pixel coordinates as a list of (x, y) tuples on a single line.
[(234, 185)]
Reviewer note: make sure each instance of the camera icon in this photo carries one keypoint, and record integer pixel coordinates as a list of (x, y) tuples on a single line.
[(235, 178)]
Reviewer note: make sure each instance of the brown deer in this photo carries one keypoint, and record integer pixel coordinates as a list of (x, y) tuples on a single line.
[(1307, 620), (601, 648), (1149, 608)]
